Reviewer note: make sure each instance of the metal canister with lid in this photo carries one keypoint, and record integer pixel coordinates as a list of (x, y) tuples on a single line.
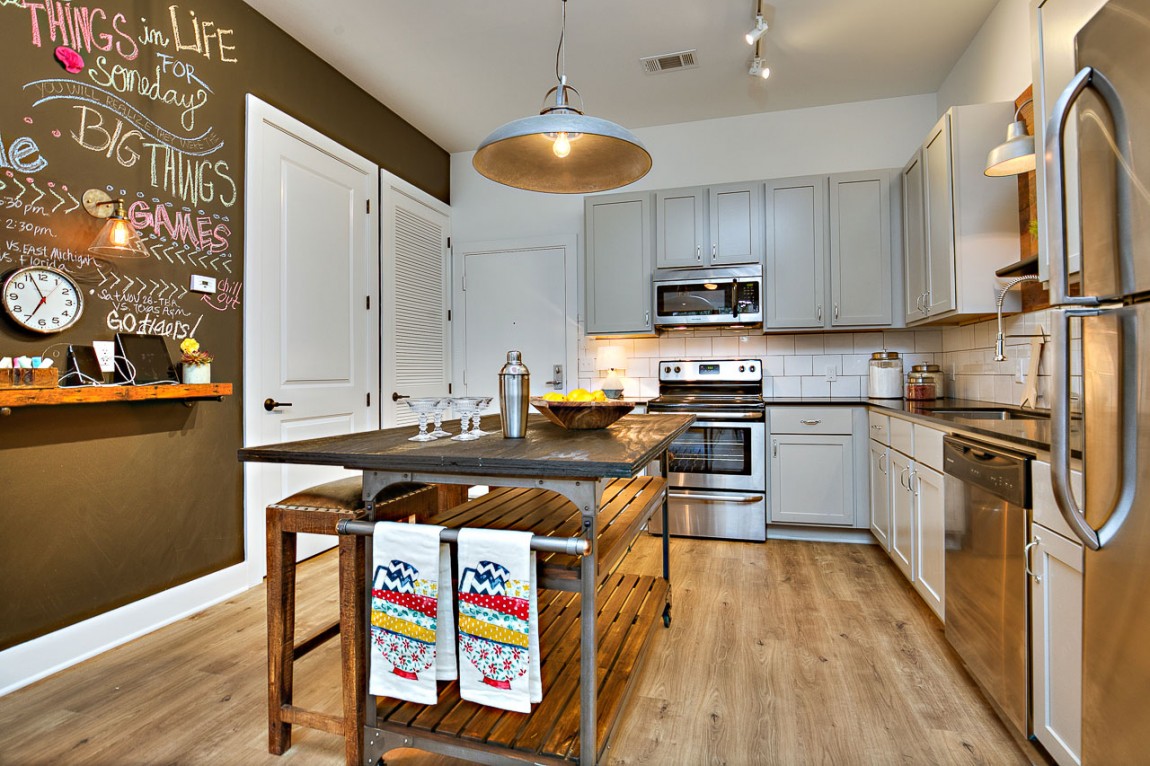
[(935, 372), (884, 379)]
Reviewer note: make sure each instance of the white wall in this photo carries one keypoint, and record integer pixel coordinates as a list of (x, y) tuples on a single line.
[(840, 138), (996, 64)]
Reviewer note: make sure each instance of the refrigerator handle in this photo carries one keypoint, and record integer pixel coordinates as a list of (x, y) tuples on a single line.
[(1060, 418), (1056, 181)]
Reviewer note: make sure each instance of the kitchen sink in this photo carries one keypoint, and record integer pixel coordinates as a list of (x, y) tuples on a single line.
[(990, 413)]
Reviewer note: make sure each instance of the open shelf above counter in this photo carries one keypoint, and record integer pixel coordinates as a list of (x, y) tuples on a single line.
[(40, 397)]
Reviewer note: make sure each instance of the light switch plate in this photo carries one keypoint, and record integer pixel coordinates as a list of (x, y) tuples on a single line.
[(105, 351), (203, 284)]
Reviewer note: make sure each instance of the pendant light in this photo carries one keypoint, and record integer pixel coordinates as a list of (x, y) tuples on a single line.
[(562, 150), (1014, 156)]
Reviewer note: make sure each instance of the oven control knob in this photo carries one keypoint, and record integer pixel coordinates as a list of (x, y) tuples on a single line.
[(752, 368), (676, 368), (742, 368), (667, 369)]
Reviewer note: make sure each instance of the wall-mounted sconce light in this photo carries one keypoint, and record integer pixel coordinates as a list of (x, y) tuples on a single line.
[(118, 238), (1014, 156)]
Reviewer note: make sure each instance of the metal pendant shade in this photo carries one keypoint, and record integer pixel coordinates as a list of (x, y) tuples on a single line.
[(561, 150)]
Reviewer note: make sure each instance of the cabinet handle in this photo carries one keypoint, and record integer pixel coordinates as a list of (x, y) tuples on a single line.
[(647, 318), (820, 312), (901, 474), (810, 422), (698, 252), (883, 461), (917, 482), (926, 302), (1026, 554), (714, 249), (836, 311), (774, 448)]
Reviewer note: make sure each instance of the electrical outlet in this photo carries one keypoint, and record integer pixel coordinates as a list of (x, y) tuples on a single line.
[(832, 373), (1020, 375), (105, 351), (203, 284)]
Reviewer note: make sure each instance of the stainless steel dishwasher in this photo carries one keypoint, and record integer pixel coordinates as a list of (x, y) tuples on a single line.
[(987, 497)]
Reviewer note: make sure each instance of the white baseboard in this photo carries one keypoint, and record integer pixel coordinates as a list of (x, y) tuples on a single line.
[(820, 534), (29, 662)]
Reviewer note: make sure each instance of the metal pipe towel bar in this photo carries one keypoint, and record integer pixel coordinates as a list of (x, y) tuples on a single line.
[(572, 546)]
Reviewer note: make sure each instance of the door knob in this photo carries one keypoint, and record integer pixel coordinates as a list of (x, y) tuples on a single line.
[(396, 396), (271, 404)]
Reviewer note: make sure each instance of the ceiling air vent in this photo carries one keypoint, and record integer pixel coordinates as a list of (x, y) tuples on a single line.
[(669, 62)]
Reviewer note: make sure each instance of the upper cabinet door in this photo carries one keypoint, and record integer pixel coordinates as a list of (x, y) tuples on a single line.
[(618, 250), (736, 224), (860, 249), (938, 186), (680, 228), (1054, 25), (796, 225), (914, 238)]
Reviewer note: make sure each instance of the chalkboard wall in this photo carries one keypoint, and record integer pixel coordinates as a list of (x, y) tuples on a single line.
[(104, 504)]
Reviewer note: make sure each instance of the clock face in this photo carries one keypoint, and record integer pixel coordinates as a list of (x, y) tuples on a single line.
[(41, 299)]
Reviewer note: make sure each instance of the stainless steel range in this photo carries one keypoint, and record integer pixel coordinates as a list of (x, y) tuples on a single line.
[(717, 469)]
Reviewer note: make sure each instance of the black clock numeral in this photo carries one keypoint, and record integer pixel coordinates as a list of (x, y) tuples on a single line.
[(65, 291), (19, 285), (42, 277), (56, 320), (18, 309), (42, 322), (13, 296), (65, 313), (67, 303)]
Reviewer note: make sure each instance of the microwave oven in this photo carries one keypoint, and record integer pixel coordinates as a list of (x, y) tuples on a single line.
[(731, 297)]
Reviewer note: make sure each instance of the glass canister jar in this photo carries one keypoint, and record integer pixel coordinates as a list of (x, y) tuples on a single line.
[(935, 372), (920, 386), (884, 380)]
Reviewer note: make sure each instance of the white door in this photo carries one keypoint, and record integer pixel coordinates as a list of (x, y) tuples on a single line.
[(311, 264), (515, 297), (415, 303)]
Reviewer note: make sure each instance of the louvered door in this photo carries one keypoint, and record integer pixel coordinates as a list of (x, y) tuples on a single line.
[(414, 319)]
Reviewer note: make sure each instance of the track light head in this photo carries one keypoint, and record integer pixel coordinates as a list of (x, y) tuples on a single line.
[(753, 36), (758, 69)]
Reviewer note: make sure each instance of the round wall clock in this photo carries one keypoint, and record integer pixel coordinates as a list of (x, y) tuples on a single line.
[(42, 299)]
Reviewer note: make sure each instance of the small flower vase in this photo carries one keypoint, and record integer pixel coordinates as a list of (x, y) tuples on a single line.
[(197, 373)]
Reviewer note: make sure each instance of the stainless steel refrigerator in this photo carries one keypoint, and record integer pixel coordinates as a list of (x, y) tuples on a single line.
[(1109, 101)]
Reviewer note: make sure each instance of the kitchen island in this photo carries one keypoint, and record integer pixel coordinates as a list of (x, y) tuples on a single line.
[(579, 466)]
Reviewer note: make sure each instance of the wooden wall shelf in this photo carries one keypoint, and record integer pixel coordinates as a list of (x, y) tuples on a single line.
[(38, 397)]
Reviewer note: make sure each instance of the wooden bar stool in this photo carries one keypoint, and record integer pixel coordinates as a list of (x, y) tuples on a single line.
[(318, 510)]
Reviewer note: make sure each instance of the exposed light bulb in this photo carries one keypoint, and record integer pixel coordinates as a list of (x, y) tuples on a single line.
[(562, 146), (765, 73), (119, 233)]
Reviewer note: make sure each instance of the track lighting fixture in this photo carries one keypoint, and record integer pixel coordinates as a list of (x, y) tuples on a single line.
[(758, 70), (760, 27)]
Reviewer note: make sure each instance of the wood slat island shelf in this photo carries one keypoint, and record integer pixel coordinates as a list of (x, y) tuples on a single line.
[(40, 397)]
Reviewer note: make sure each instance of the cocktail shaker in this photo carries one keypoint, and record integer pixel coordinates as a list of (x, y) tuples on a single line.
[(514, 393)]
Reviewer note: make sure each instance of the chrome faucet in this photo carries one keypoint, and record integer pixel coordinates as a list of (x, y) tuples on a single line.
[(1000, 340)]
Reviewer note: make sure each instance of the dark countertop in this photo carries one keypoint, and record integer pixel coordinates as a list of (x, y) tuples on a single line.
[(1031, 433)]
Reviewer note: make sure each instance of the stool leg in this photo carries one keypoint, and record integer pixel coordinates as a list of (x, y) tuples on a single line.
[(351, 638), (281, 553)]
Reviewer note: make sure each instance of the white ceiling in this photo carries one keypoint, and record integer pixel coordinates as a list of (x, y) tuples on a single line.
[(458, 69)]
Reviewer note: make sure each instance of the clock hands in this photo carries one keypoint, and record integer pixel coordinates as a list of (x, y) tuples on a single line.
[(43, 298)]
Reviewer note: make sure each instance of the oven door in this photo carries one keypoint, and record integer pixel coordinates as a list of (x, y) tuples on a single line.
[(719, 454)]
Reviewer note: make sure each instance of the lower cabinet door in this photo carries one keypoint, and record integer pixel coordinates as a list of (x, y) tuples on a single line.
[(930, 537), (1056, 643), (812, 480), (880, 493), (902, 513)]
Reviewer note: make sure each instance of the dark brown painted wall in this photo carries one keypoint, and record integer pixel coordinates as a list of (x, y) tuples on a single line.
[(101, 505)]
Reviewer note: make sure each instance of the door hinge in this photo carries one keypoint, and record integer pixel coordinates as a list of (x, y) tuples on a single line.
[(449, 243), (369, 399), (369, 207), (449, 388), (369, 303), (449, 315)]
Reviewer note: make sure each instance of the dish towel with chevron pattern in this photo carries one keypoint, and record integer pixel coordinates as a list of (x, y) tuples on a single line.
[(412, 614), (498, 620)]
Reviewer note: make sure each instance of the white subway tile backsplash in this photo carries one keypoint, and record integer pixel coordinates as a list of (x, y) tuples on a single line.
[(648, 347), (808, 344), (838, 343), (797, 365), (788, 387), (899, 340), (774, 366), (697, 348), (928, 341), (672, 347), (867, 342), (815, 386), (726, 347), (856, 364), (847, 386), (779, 345)]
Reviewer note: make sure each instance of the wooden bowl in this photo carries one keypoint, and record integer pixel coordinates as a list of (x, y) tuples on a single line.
[(582, 416)]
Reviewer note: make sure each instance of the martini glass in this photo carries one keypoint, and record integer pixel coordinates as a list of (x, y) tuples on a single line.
[(465, 407), (480, 405), (422, 407)]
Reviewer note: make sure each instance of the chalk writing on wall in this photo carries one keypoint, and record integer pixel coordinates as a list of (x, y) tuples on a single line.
[(132, 106)]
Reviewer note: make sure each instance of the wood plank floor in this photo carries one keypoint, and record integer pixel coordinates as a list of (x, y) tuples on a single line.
[(783, 653)]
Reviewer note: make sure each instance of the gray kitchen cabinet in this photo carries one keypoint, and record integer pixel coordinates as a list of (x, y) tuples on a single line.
[(828, 251), (1054, 24), (617, 288), (880, 492), (929, 536), (902, 513), (814, 462), (1055, 562), (1056, 586), (961, 226), (709, 226)]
